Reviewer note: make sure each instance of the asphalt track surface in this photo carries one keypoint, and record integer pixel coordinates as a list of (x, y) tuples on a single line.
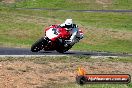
[(119, 11), (24, 51)]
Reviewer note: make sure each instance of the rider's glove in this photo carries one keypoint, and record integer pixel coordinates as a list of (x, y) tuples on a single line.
[(72, 41), (68, 41)]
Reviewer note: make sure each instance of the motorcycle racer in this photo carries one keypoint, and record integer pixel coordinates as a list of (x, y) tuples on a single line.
[(76, 34), (59, 37)]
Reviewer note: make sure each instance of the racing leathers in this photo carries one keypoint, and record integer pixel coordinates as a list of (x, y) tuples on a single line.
[(76, 34)]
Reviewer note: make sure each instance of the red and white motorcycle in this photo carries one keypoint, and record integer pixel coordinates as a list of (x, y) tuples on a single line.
[(55, 39)]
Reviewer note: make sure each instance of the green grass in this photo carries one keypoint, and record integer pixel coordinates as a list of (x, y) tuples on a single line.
[(76, 4), (120, 21), (67, 59), (122, 46), (122, 4), (124, 59)]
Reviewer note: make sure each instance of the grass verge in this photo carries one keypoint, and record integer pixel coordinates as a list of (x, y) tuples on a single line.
[(76, 4)]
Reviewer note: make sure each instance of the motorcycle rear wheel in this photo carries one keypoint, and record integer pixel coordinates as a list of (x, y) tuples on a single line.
[(61, 50)]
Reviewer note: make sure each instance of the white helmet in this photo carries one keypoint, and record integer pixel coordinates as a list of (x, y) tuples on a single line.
[(68, 22)]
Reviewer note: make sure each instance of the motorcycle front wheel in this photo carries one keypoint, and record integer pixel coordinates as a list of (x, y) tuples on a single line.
[(38, 45)]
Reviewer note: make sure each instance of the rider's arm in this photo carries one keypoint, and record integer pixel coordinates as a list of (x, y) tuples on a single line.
[(77, 34), (74, 33)]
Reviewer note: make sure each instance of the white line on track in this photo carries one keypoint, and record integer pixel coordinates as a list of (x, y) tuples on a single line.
[(104, 56), (31, 55), (3, 56)]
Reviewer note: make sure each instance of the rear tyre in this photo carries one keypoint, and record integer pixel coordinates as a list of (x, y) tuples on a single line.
[(61, 50), (38, 45), (60, 47)]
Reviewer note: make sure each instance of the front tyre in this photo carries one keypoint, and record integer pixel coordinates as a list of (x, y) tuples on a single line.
[(38, 45)]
